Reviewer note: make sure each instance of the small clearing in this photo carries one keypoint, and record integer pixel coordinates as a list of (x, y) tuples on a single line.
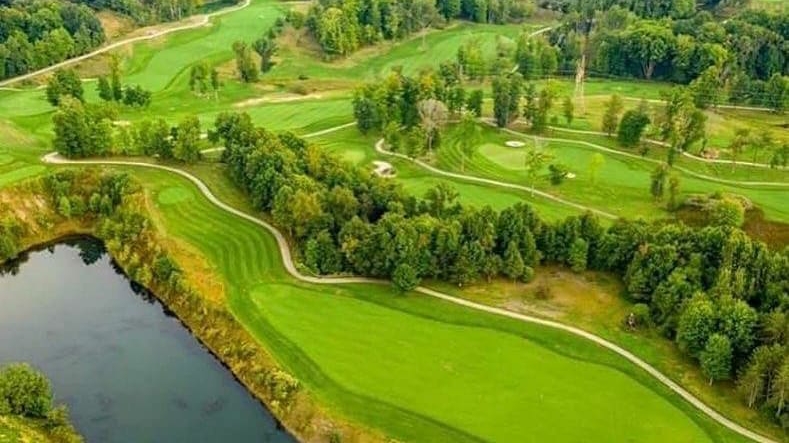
[(276, 98)]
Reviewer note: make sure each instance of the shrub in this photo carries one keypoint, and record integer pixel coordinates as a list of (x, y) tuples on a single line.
[(405, 277), (24, 391), (727, 212), (558, 173)]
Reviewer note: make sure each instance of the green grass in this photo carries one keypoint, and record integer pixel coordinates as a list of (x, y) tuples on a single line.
[(413, 54), (721, 125), (359, 149), (413, 367), (155, 63), (419, 368), (622, 184), (8, 435)]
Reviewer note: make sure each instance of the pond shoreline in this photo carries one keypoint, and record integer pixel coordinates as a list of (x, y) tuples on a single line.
[(71, 235), (68, 238)]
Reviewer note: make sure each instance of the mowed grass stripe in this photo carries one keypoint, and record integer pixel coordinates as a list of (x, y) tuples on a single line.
[(405, 319)]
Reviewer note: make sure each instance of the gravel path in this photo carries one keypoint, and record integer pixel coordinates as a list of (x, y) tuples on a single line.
[(202, 21), (290, 266)]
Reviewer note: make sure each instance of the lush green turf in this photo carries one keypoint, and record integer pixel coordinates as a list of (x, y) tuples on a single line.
[(359, 149), (419, 368), (722, 123), (413, 367), (412, 55), (622, 183)]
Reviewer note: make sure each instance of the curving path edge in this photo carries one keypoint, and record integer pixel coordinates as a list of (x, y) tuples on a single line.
[(287, 260), (202, 21)]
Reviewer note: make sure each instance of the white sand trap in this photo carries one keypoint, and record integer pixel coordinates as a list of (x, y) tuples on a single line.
[(570, 175), (384, 169), (515, 144)]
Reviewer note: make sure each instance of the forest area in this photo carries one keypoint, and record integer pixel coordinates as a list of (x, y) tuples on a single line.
[(39, 33), (436, 162)]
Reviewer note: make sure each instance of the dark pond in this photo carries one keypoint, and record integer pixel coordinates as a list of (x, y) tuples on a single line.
[(128, 371)]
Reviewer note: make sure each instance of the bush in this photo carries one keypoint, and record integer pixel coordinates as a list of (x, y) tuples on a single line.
[(528, 274), (727, 212), (405, 277), (558, 173), (24, 391)]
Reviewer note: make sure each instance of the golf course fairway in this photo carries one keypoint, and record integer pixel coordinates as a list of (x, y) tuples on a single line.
[(419, 368)]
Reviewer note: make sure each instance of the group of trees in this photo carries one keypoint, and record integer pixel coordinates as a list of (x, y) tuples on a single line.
[(183, 142), (266, 47), (343, 26), (513, 98), (27, 393), (742, 59), (150, 11), (204, 79), (86, 130), (111, 89), (36, 34), (66, 83), (713, 290), (81, 130), (411, 111)]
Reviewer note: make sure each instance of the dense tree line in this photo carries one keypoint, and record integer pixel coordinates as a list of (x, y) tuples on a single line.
[(343, 26), (151, 11), (744, 57), (86, 130), (39, 33), (713, 290)]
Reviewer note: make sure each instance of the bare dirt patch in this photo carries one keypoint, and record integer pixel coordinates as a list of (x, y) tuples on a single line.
[(276, 98), (114, 25)]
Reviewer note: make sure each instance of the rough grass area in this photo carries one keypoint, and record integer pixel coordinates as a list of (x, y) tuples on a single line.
[(620, 186), (415, 367), (596, 302)]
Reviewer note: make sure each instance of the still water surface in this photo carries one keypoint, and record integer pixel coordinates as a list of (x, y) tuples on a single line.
[(128, 371)]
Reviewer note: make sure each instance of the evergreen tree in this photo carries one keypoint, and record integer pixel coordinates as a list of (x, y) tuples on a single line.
[(474, 103), (611, 116), (632, 127), (115, 79), (716, 358), (105, 89), (513, 266), (579, 251)]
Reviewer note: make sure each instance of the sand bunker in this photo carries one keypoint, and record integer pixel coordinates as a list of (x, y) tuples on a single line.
[(384, 169)]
